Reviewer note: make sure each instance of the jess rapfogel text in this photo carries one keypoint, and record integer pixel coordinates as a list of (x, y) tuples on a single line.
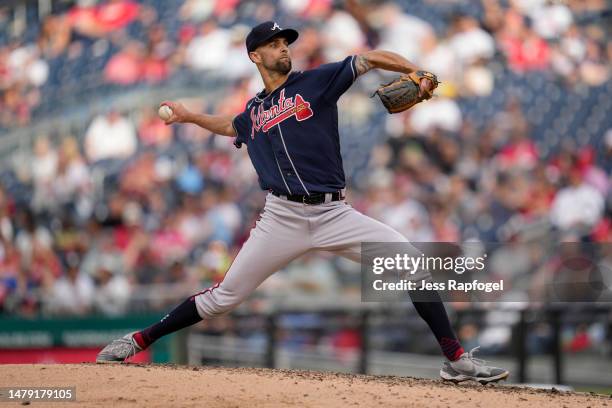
[(451, 284)]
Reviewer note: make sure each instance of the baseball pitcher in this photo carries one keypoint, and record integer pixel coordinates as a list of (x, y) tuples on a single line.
[(290, 129)]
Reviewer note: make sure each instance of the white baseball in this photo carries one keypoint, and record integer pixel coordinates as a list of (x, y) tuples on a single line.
[(164, 112)]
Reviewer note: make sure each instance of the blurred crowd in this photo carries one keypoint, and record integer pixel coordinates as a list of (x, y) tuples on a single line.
[(92, 221), (151, 41)]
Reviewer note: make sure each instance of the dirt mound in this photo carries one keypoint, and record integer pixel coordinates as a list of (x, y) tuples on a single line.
[(164, 386)]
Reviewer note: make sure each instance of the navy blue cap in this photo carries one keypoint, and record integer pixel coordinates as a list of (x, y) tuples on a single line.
[(266, 31)]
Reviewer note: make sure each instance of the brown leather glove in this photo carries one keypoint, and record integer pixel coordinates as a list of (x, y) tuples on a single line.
[(406, 91)]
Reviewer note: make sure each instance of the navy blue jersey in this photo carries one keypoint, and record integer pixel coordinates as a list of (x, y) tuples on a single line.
[(292, 133)]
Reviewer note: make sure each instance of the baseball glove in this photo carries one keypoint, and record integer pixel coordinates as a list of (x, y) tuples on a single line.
[(406, 91)]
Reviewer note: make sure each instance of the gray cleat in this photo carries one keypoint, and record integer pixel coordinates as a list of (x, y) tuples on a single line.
[(470, 368), (118, 350)]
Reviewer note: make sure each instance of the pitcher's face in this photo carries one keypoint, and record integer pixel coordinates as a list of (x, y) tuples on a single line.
[(274, 55)]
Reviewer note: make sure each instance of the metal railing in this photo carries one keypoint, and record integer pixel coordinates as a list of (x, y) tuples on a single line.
[(223, 348)]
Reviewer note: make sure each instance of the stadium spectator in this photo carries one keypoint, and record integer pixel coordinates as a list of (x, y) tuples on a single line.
[(407, 216), (127, 66), (309, 50), (236, 65), (54, 37), (573, 44), (223, 216), (44, 171), (152, 131), (72, 293), (551, 20), (110, 136), (6, 214), (478, 80), (25, 65), (439, 56), (208, 50), (469, 42), (396, 27), (235, 103), (594, 70), (190, 179), (312, 274), (169, 242), (30, 235), (16, 105), (10, 271), (526, 51), (440, 113), (214, 262), (341, 35), (73, 177), (197, 10), (578, 207), (155, 66), (520, 152), (44, 267), (105, 18), (112, 288)]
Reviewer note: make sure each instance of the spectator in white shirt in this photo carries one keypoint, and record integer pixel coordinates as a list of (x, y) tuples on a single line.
[(341, 36), (577, 207), (470, 42), (237, 63), (110, 136), (551, 20), (44, 170), (402, 33), (441, 113), (73, 175), (72, 293), (113, 291), (209, 49)]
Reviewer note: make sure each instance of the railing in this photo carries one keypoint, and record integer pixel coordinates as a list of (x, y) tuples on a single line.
[(419, 356), (367, 319)]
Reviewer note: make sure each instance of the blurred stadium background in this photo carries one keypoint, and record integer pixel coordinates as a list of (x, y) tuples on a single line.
[(108, 217)]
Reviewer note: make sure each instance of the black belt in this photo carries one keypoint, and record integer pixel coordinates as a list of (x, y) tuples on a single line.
[(313, 198)]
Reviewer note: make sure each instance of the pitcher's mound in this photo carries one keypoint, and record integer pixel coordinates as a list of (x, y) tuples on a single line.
[(164, 386)]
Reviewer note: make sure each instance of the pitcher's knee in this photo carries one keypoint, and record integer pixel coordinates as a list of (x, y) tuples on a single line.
[(216, 301)]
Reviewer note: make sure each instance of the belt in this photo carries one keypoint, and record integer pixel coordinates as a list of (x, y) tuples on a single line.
[(313, 198)]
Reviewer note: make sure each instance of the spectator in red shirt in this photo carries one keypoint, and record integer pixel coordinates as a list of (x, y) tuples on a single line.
[(105, 18), (127, 66), (524, 49), (152, 130), (159, 50), (521, 152), (116, 14)]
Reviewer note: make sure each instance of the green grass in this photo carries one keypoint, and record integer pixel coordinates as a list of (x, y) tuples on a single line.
[(596, 389)]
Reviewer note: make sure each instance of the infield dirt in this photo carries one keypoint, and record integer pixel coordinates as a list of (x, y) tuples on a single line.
[(180, 386)]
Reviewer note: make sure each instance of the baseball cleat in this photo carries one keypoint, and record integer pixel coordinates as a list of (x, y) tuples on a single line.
[(119, 350), (467, 367)]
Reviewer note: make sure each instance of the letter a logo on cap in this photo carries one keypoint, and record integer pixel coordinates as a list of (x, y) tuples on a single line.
[(275, 26)]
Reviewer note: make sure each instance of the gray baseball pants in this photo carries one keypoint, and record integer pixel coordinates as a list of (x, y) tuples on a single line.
[(285, 231)]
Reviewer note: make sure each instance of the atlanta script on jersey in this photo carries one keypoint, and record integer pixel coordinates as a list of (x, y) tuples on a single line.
[(292, 133)]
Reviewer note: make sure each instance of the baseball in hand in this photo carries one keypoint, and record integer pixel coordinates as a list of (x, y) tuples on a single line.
[(164, 112)]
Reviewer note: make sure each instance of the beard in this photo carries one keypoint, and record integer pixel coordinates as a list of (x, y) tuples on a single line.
[(282, 66)]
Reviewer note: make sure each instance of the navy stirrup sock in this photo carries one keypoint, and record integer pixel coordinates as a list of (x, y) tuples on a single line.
[(184, 315), (435, 315)]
